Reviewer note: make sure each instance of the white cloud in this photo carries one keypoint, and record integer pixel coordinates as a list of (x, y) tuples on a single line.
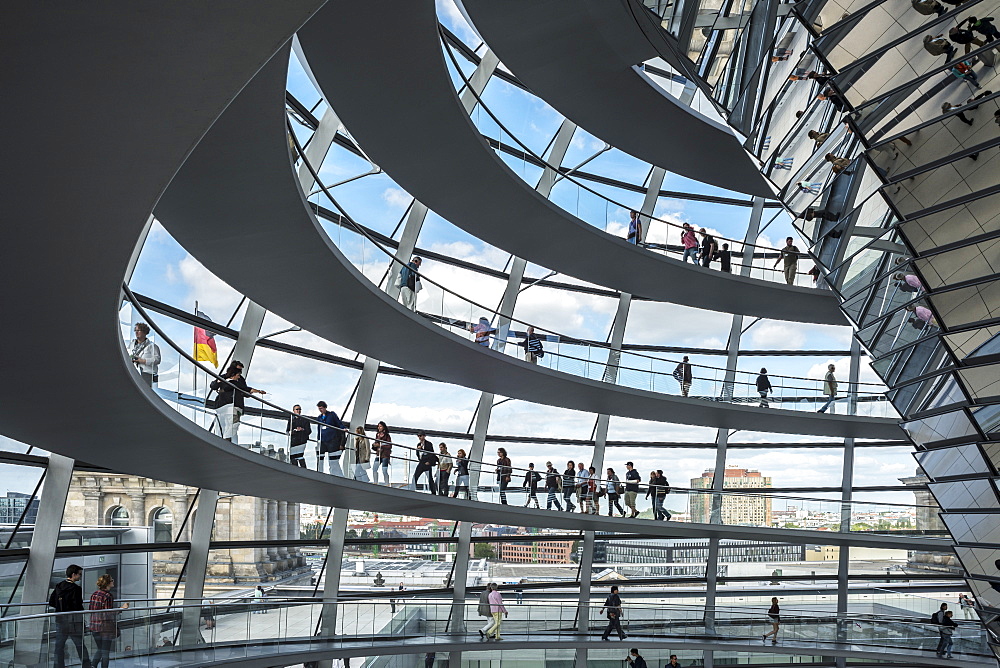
[(777, 335), (396, 198), (452, 16), (213, 295)]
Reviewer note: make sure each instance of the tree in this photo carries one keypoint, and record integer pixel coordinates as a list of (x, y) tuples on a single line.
[(484, 551)]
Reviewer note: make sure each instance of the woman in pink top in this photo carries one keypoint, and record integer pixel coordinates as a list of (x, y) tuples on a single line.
[(690, 242), (924, 315), (498, 611)]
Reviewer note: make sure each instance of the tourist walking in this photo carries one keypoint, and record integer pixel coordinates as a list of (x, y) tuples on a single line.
[(231, 391), (426, 461), (690, 243), (503, 472), (936, 45), (461, 474), (532, 345), (553, 483), (773, 614), (632, 480), (946, 632), (409, 283), (790, 255), (298, 432), (928, 7), (682, 374), (582, 486), (499, 611), (363, 453), (445, 464), (709, 247), (634, 228), (967, 605), (614, 489), (484, 609), (725, 259), (635, 659), (104, 620), (145, 354), (658, 490), (482, 330), (383, 452), (763, 388), (332, 434), (531, 479), (67, 596), (829, 388), (613, 605), (569, 485)]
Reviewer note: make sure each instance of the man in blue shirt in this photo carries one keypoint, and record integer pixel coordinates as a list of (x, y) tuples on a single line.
[(409, 283), (634, 229), (331, 439)]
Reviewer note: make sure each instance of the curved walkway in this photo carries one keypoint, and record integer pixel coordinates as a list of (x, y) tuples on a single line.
[(581, 58), (397, 99), (237, 207)]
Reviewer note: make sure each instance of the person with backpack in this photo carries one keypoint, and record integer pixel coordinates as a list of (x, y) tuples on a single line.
[(658, 489), (409, 283), (553, 484), (331, 435), (484, 609), (763, 388), (613, 604), (531, 478), (634, 228), (67, 596), (614, 487), (682, 374), (532, 345), (947, 633)]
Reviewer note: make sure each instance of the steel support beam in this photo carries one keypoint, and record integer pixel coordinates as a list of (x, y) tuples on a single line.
[(41, 556)]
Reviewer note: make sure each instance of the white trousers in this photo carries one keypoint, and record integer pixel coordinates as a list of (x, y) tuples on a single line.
[(229, 421), (409, 298)]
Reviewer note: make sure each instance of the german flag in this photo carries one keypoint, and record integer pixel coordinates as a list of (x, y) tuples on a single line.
[(205, 349)]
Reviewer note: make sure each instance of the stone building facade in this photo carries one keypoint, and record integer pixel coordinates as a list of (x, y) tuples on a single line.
[(928, 519), (122, 500)]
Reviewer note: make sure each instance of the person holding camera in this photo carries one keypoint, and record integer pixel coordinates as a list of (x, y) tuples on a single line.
[(232, 389), (144, 353)]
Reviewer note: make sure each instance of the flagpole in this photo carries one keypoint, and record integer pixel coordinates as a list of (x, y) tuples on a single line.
[(194, 391)]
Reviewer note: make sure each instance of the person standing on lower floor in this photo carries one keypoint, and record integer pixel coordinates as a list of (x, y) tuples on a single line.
[(67, 596), (531, 478), (967, 606), (790, 255), (613, 605), (763, 388), (632, 480), (499, 611), (947, 632), (829, 388), (635, 659), (774, 614), (461, 474), (484, 609), (552, 484), (445, 464), (429, 659), (569, 485), (104, 620)]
